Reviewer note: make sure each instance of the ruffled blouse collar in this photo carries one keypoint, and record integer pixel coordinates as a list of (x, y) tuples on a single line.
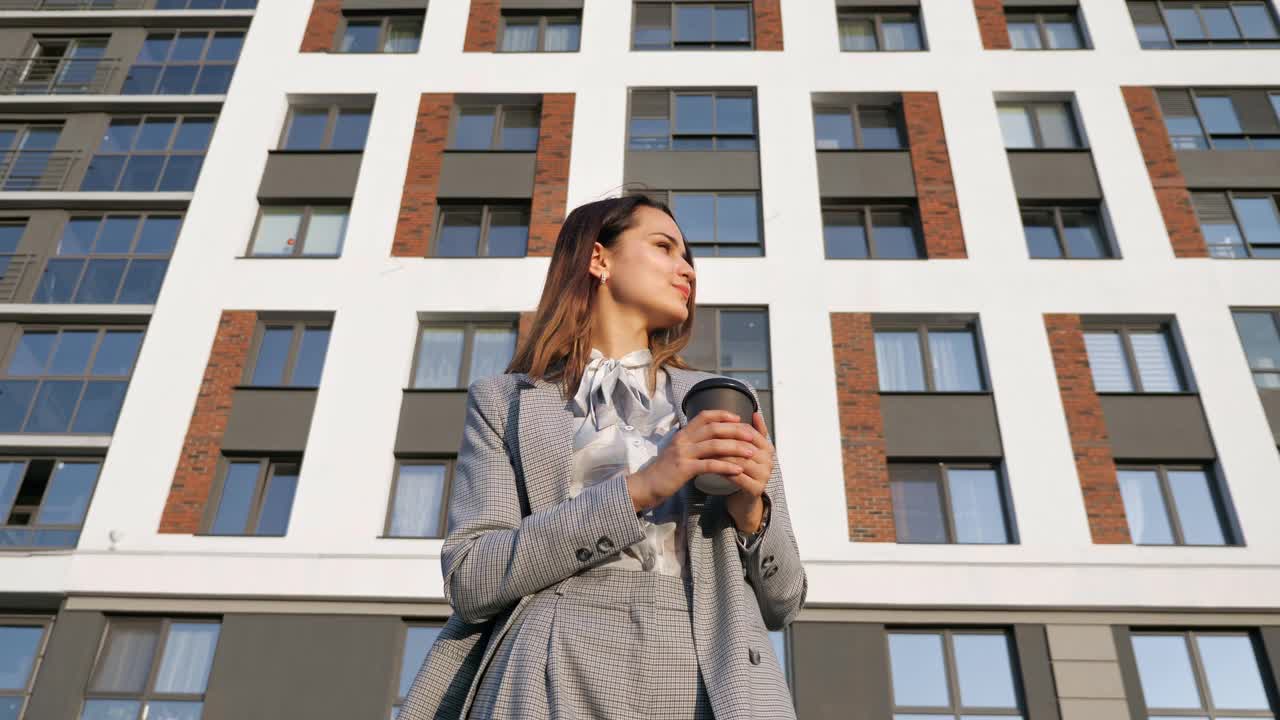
[(609, 392)]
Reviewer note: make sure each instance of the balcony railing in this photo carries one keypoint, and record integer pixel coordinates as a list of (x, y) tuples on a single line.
[(13, 271), (35, 170), (56, 76), (73, 4)]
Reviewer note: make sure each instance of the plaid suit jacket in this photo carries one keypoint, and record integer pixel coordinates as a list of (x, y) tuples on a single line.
[(514, 531)]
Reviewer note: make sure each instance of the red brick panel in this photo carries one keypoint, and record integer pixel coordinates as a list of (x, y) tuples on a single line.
[(1166, 177), (992, 25), (935, 187), (551, 173), (768, 22), (322, 26), (422, 178), (200, 450), (482, 26), (868, 500), (1088, 429)]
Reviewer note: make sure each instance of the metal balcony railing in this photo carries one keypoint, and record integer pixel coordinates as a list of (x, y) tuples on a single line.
[(35, 170), (13, 271), (73, 4), (56, 76)]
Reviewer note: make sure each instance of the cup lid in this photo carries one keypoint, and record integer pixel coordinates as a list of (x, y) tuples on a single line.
[(719, 381)]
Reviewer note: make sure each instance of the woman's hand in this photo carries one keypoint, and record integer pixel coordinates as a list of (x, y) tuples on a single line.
[(705, 445), (745, 506)]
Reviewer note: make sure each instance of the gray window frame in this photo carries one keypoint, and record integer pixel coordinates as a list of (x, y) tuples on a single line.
[(1274, 314), (922, 328), (397, 701), (181, 119), (162, 626), (1124, 329), (1216, 493), (956, 710), (854, 109), (330, 127), (877, 17), (304, 225), (868, 209), (715, 136), (469, 328), (200, 64), (668, 196), (129, 257), (50, 73), (450, 464), (943, 480), (1037, 17), (1137, 701), (299, 328), (542, 18), (267, 466), (45, 624), (1231, 196), (1194, 95), (499, 122), (486, 209), (1056, 209), (26, 459), (717, 340), (1037, 134), (675, 44), (385, 19), (1175, 44), (51, 163)]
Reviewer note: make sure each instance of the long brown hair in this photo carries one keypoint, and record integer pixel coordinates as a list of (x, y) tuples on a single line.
[(558, 344)]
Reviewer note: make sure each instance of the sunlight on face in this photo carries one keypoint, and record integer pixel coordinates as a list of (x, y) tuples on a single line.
[(648, 264)]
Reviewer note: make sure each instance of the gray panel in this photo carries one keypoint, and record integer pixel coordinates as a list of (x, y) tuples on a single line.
[(310, 175), (940, 425), (431, 421), (64, 674), (384, 4), (269, 420), (1231, 169), (1129, 671), (15, 42), (82, 132), (1271, 648), (1257, 114), (1036, 672), (1039, 175), (694, 169), (1157, 427), (1016, 4), (123, 46), (840, 670), (273, 666), (39, 240), (1271, 405), (487, 175), (541, 4), (878, 174)]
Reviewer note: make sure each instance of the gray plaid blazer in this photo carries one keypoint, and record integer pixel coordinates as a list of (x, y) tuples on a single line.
[(513, 531)]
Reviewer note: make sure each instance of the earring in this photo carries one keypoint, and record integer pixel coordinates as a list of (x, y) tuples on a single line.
[(604, 278)]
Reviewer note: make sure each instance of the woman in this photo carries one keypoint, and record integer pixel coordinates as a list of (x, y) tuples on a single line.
[(587, 577)]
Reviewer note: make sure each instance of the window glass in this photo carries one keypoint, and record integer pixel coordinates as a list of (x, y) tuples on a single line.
[(1259, 220), (1083, 234), (735, 115), (1231, 670), (402, 35), (652, 25), (520, 35), (67, 497), (519, 129), (1063, 32), (361, 36), (918, 669), (899, 362), (1107, 362), (18, 648), (1165, 671), (984, 670), (833, 129), (1219, 115), (695, 213), (1015, 124), (955, 361), (474, 130), (562, 36), (1024, 34), (975, 505), (276, 507), (306, 131), (1184, 23), (1261, 344), (880, 130), (491, 351), (743, 340), (737, 219), (117, 352), (1221, 24), (417, 643), (325, 231), (459, 233), (900, 33), (844, 235), (312, 350), (917, 511), (508, 233), (693, 23), (1042, 234), (1155, 362), (1257, 22), (1056, 126), (351, 129), (188, 655), (126, 659), (893, 233), (857, 34), (419, 502), (277, 231), (1145, 512), (71, 357), (1197, 511), (694, 114), (273, 355), (732, 24), (439, 357)]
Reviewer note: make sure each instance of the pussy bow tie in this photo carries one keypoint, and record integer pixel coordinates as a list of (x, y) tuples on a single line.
[(609, 393)]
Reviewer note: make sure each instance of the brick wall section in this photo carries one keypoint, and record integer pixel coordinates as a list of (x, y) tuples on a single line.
[(322, 26), (1088, 429), (482, 26), (935, 186), (198, 462), (422, 177), (768, 22), (551, 173), (992, 25), (1166, 177), (868, 500)]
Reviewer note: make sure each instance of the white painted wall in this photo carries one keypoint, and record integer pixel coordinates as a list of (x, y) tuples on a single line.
[(332, 549)]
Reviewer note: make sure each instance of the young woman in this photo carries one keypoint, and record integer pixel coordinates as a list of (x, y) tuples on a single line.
[(588, 578)]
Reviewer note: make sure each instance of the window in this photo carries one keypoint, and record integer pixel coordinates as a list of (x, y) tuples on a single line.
[(1261, 339), (1212, 674), (1039, 125), (1171, 505), (290, 354), (254, 497), (28, 160), (67, 379), (1181, 25), (1239, 224), (206, 4), (300, 231), (332, 127), (43, 501), (185, 62), (364, 33), (150, 153), (726, 224), (957, 673), (870, 231), (61, 65), (11, 231), (919, 357), (451, 356), (418, 639), (778, 638), (889, 30), (1069, 231), (1057, 30), (496, 127), (692, 120), (152, 667), (419, 499), (22, 641), (692, 26), (858, 126), (110, 259), (539, 32), (1133, 359), (1204, 120), (735, 342), (948, 503), (487, 230)]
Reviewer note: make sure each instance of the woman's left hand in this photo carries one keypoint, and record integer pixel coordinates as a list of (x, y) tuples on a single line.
[(745, 506)]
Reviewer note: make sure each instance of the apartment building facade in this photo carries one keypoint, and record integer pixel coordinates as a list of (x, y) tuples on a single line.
[(999, 270)]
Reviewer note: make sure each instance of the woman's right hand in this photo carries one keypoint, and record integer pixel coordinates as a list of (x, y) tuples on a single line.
[(695, 449)]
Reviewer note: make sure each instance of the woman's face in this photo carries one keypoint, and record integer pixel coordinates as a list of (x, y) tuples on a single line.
[(647, 269)]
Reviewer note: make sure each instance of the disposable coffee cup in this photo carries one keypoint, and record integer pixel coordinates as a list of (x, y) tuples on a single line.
[(719, 393)]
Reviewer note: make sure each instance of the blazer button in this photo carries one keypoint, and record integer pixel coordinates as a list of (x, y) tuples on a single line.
[(754, 656), (768, 560), (604, 545), (583, 554), (773, 570)]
